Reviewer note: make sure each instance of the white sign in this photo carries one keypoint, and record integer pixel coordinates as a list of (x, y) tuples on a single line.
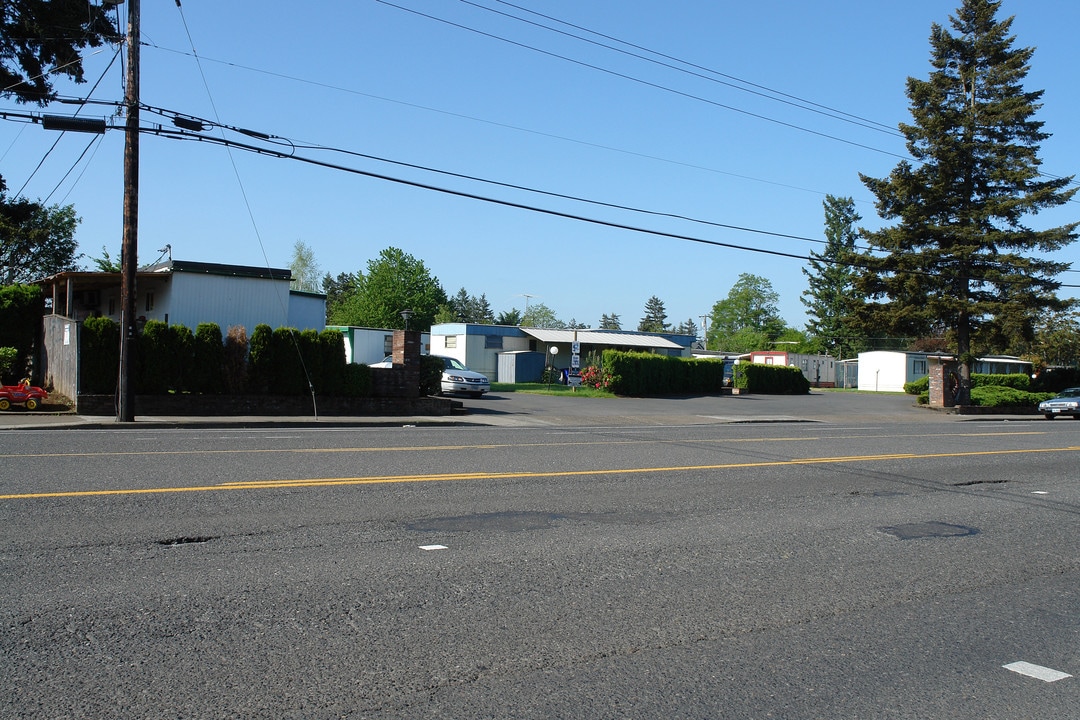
[(575, 347), (575, 361)]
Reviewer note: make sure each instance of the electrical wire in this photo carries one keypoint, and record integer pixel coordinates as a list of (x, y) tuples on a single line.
[(250, 210), (183, 135), (704, 74), (508, 126), (646, 83)]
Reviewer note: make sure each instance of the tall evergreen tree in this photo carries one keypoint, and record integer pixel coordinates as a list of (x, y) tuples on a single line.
[(960, 252), (610, 322), (831, 282), (655, 319)]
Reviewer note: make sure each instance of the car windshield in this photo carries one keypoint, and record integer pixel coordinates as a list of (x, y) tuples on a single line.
[(453, 364), (1070, 392)]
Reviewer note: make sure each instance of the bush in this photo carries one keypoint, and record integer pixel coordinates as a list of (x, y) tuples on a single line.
[(209, 353), (918, 387), (772, 379), (332, 350), (287, 374), (99, 356), (21, 308), (8, 356), (234, 371), (357, 380), (1004, 396), (431, 370), (644, 374), (157, 366), (261, 359)]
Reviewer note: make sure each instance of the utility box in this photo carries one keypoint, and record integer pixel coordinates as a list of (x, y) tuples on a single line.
[(521, 366)]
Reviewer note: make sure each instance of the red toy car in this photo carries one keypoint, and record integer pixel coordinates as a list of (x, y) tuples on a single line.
[(21, 394)]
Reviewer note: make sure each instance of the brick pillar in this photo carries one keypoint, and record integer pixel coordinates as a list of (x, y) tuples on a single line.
[(406, 359), (943, 381)]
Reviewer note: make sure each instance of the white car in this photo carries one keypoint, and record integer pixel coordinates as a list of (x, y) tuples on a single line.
[(1067, 403), (457, 378)]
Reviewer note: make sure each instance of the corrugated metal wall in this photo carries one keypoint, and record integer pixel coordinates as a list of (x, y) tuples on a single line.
[(60, 355)]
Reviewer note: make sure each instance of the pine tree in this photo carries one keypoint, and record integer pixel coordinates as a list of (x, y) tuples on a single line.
[(959, 253), (831, 282), (655, 319), (610, 322)]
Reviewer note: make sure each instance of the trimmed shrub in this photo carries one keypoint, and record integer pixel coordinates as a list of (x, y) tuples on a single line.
[(261, 359), (99, 356), (234, 370), (287, 376), (157, 365), (645, 374), (209, 351), (918, 387), (357, 380), (431, 370), (1005, 396), (772, 379), (332, 350)]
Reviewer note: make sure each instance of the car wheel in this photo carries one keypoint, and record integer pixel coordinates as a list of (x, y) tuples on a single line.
[(31, 404), (1049, 416), (4, 403), (476, 395)]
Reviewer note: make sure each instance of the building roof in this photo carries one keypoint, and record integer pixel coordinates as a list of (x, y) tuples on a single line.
[(601, 337)]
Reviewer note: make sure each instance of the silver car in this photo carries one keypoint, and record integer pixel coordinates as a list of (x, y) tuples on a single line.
[(1067, 403), (457, 378)]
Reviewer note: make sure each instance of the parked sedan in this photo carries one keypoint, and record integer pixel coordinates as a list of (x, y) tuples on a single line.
[(1067, 403), (457, 378)]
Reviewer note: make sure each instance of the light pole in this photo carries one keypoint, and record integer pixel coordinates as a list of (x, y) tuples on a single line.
[(406, 314)]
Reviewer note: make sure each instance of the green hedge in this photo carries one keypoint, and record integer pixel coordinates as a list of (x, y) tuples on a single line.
[(1016, 381), (645, 374), (99, 356), (169, 358), (771, 379)]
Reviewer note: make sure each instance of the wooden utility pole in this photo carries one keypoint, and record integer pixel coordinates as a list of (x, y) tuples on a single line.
[(129, 254)]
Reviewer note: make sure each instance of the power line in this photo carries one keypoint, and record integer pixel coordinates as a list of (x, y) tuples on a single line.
[(711, 75), (646, 83), (180, 134)]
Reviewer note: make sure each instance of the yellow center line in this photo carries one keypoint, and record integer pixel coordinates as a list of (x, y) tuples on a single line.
[(492, 446), (444, 477)]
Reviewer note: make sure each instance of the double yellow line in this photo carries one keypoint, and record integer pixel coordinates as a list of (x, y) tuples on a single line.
[(447, 477)]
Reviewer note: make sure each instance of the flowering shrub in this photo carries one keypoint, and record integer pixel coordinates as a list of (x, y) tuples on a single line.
[(595, 377)]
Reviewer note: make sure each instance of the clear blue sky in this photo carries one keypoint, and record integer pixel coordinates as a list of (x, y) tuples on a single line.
[(480, 94)]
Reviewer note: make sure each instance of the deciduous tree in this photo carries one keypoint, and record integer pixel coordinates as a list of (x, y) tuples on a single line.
[(35, 241), (395, 281), (748, 318)]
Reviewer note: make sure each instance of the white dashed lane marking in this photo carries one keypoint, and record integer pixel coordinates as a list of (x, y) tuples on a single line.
[(1037, 671), (433, 547)]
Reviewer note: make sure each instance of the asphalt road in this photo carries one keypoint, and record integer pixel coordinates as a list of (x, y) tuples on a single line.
[(889, 567)]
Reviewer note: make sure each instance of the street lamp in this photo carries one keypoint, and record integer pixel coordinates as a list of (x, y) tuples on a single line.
[(406, 314)]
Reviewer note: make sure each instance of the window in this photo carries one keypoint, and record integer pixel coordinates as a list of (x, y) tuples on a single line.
[(918, 367), (451, 341), (388, 344), (149, 301), (493, 342)]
